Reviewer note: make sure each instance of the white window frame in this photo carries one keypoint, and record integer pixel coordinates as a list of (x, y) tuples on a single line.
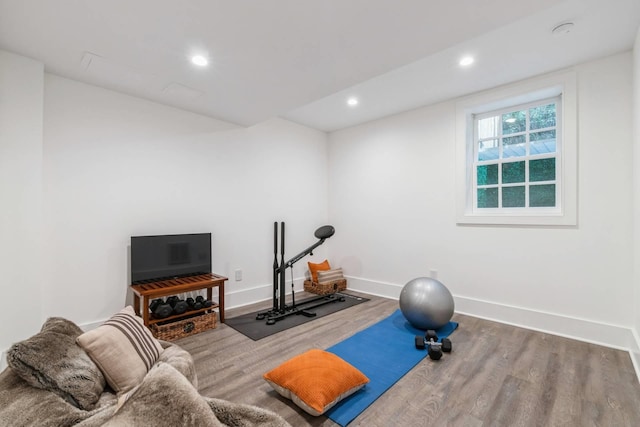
[(562, 86)]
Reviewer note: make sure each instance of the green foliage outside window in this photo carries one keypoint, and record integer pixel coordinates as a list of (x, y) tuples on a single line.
[(513, 172), (543, 116), (488, 197), (488, 174), (542, 195), (513, 197), (542, 170)]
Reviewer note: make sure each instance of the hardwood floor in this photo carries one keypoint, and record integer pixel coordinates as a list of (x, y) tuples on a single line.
[(497, 375)]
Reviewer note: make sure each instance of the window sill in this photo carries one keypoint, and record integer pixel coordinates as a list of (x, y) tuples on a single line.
[(517, 219)]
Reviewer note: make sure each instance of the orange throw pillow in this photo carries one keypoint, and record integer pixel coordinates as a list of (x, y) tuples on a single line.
[(316, 380), (314, 268)]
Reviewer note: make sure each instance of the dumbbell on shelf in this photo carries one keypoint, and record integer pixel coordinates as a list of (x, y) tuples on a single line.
[(198, 303), (178, 305), (435, 348), (160, 308), (206, 303), (193, 305)]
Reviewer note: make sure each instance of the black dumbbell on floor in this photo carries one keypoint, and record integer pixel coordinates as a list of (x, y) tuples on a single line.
[(435, 348)]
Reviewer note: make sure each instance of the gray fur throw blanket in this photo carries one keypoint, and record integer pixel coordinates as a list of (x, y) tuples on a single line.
[(166, 397), (51, 360), (51, 382)]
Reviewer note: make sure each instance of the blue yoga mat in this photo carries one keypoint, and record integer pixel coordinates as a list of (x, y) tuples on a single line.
[(384, 352)]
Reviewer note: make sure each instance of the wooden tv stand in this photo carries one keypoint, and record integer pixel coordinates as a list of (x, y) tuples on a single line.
[(163, 288)]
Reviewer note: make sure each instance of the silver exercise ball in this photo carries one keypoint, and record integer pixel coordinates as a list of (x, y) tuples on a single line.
[(426, 303)]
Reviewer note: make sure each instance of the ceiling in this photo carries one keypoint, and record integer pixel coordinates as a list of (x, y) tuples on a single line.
[(302, 59)]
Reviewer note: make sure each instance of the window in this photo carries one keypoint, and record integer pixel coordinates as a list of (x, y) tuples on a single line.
[(517, 157), (516, 154)]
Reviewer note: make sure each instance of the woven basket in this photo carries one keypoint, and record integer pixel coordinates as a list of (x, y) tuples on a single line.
[(185, 327), (325, 288)]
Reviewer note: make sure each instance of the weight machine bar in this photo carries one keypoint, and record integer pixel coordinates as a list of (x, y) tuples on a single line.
[(301, 255), (281, 270), (275, 265), (322, 233)]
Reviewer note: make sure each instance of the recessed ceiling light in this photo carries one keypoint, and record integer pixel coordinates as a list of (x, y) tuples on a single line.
[(352, 102), (466, 61), (200, 60)]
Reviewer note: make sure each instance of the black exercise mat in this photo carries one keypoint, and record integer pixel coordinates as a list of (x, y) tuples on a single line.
[(258, 329)]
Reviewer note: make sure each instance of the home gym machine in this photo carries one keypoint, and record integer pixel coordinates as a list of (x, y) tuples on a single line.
[(280, 309)]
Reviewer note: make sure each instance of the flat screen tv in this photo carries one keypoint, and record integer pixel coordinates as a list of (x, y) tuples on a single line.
[(169, 256)]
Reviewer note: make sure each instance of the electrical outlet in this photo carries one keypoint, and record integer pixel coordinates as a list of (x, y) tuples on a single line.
[(238, 275), (433, 274)]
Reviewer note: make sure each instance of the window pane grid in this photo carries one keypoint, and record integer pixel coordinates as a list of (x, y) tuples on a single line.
[(526, 178)]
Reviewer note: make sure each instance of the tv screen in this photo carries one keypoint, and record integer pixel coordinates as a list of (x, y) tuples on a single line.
[(169, 256)]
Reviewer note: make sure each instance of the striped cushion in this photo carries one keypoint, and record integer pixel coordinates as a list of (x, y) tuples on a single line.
[(330, 275), (123, 348)]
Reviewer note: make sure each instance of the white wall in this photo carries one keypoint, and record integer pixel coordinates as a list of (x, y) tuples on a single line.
[(636, 194), (21, 87), (392, 191), (117, 166)]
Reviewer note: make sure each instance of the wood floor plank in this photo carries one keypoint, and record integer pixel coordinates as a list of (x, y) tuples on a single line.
[(512, 405), (496, 375)]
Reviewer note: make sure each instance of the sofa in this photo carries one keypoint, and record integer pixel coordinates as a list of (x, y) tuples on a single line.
[(114, 375)]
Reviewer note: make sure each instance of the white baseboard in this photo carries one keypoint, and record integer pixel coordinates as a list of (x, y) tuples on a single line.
[(380, 289), (614, 336), (635, 354), (243, 297)]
